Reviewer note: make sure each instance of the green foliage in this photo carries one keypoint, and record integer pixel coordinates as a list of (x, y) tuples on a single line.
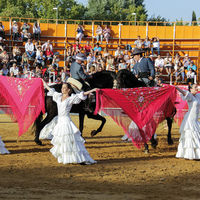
[(194, 19)]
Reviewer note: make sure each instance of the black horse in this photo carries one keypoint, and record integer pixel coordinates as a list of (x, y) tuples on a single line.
[(126, 79), (104, 79)]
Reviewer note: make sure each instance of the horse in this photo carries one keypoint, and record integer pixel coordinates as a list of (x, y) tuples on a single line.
[(103, 79), (126, 79)]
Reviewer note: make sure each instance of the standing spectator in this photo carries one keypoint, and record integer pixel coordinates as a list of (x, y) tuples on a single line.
[(155, 45), (99, 33), (29, 48), (25, 32), (36, 31), (2, 32), (168, 64), (80, 33), (159, 64), (106, 33), (15, 31), (138, 43)]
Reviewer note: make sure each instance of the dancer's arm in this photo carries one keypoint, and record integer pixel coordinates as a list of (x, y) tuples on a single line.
[(90, 91), (45, 85), (181, 91)]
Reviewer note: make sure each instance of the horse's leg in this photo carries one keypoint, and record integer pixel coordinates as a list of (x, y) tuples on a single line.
[(96, 117), (146, 148), (154, 142), (169, 124), (47, 119), (37, 129), (81, 121)]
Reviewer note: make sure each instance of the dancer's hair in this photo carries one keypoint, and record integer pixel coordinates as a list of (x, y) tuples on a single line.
[(190, 86), (69, 87)]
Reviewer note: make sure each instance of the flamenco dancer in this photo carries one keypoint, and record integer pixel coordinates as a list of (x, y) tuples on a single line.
[(189, 142), (3, 149), (68, 145)]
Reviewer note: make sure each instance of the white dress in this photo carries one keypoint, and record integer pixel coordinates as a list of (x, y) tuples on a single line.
[(68, 145), (3, 149), (189, 142)]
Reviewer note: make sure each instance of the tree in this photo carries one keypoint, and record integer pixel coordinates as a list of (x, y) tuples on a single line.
[(160, 21), (194, 19)]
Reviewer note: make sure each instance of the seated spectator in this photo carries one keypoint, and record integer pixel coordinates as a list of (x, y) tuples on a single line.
[(192, 65), (2, 44), (186, 61), (49, 55), (106, 33), (147, 45), (80, 32), (118, 52), (29, 48), (36, 31), (122, 65), (177, 62), (16, 53), (55, 61), (38, 49), (25, 59), (15, 31), (97, 49), (26, 71), (25, 35), (15, 70), (99, 34), (87, 48), (180, 73), (138, 43), (64, 74), (126, 56), (40, 60), (159, 64), (132, 64), (91, 59), (37, 72), (69, 55), (105, 53), (4, 70), (168, 64), (110, 63), (155, 45), (77, 47), (190, 76), (47, 44), (4, 58), (2, 32)]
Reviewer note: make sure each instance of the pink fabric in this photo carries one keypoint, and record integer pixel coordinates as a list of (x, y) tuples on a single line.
[(23, 100), (138, 111)]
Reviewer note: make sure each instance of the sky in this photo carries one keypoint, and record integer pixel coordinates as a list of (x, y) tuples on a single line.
[(170, 9)]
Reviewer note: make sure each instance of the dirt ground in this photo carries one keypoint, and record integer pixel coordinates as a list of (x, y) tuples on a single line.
[(122, 171)]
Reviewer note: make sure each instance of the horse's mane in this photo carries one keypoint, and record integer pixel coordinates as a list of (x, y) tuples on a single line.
[(103, 79), (126, 79)]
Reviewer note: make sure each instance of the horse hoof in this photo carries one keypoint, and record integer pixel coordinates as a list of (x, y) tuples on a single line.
[(93, 133), (170, 142), (154, 143), (38, 142)]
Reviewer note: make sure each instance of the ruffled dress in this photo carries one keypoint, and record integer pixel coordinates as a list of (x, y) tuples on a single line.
[(68, 145), (189, 142), (3, 149)]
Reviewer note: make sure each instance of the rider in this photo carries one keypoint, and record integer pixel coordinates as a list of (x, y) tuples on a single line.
[(143, 69)]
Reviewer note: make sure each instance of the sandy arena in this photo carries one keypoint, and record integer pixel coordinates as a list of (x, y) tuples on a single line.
[(122, 171)]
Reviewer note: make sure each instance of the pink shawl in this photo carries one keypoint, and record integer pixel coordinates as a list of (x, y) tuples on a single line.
[(22, 99), (138, 111)]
